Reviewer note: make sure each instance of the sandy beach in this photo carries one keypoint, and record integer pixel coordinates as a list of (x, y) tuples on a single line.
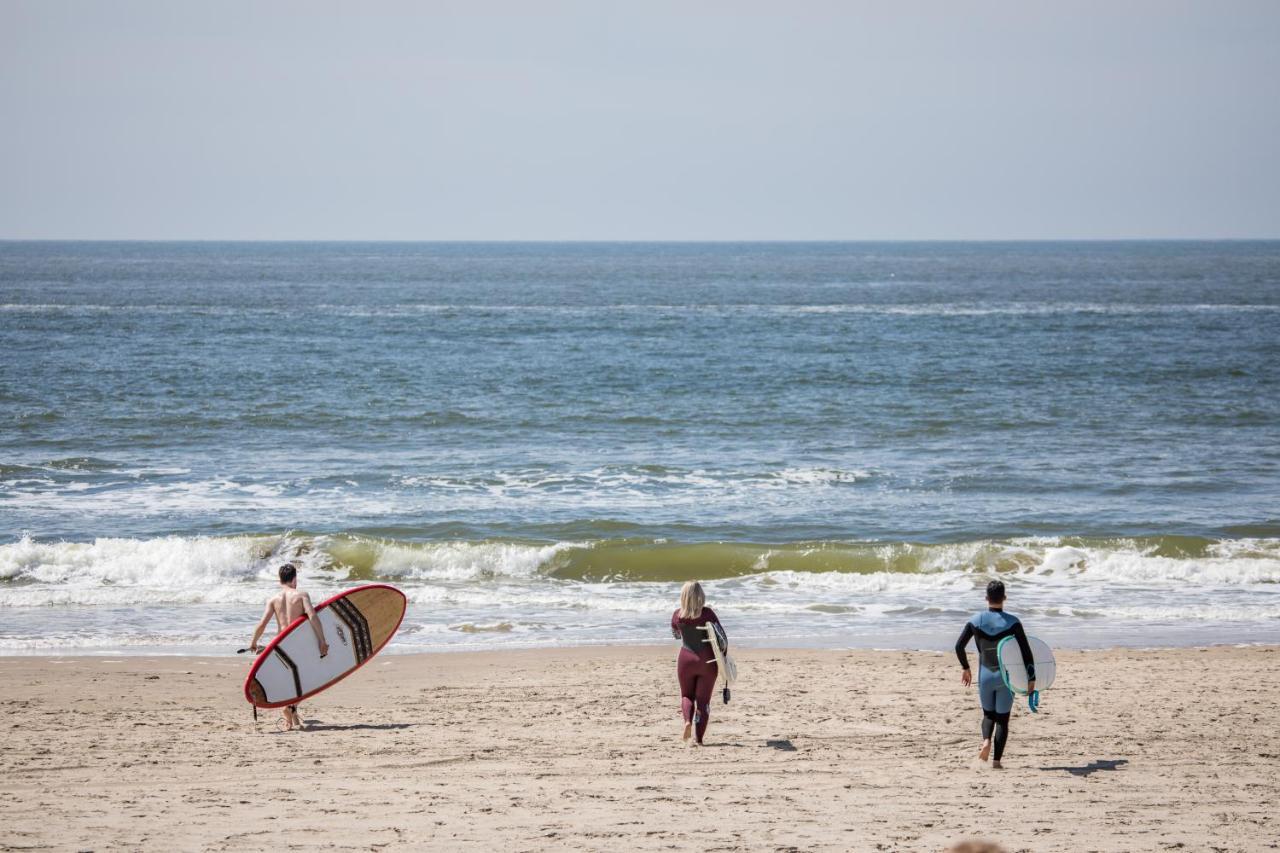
[(579, 749)]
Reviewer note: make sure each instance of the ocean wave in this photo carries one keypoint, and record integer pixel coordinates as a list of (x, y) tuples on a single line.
[(96, 640), (152, 493), (203, 594), (189, 570), (1197, 612), (110, 490), (473, 628), (364, 559), (196, 565), (632, 478)]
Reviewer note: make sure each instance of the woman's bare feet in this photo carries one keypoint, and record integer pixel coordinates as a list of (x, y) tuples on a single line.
[(985, 751), (688, 732), (996, 765)]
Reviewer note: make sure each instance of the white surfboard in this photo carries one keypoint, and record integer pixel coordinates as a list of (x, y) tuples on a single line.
[(724, 663), (1014, 670), (357, 624)]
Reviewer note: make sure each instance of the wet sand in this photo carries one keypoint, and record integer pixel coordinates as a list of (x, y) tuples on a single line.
[(579, 749)]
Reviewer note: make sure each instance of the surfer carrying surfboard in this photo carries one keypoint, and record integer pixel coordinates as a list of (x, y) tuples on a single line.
[(696, 666), (987, 629), (286, 605)]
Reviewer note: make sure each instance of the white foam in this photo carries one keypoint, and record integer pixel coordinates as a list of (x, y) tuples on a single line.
[(172, 569), (458, 561), (148, 499), (1195, 611), (1063, 559), (850, 583), (617, 489), (1141, 568), (169, 561), (113, 640), (1250, 547)]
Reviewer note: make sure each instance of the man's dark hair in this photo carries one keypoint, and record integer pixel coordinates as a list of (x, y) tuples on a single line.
[(289, 571), (995, 592)]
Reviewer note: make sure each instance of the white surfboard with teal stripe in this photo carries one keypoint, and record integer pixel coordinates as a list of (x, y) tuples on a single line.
[(1013, 669)]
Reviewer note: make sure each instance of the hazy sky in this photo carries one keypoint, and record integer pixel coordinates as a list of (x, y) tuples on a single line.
[(634, 121)]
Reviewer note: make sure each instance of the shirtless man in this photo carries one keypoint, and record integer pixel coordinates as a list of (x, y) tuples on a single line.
[(286, 606)]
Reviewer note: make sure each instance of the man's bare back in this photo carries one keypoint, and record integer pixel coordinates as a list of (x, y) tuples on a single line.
[(288, 605)]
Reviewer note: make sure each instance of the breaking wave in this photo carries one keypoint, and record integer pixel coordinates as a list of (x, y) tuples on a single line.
[(229, 569)]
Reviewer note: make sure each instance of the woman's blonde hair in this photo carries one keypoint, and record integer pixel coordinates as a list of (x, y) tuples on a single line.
[(692, 599)]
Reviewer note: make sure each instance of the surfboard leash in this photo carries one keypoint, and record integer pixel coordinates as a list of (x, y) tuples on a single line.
[(255, 707)]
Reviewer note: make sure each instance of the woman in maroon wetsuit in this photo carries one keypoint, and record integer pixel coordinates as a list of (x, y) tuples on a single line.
[(696, 665)]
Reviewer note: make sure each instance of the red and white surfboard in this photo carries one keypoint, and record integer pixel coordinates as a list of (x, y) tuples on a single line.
[(357, 624)]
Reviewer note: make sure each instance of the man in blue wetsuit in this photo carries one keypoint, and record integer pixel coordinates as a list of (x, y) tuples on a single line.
[(987, 629)]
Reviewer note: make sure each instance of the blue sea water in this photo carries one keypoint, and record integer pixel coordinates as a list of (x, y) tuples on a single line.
[(539, 442)]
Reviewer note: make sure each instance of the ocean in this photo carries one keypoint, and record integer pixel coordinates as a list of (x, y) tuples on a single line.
[(539, 443)]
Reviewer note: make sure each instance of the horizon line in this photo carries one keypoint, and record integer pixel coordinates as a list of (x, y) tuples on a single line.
[(666, 241)]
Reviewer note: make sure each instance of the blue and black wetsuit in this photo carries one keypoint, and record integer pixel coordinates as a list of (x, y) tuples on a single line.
[(987, 629)]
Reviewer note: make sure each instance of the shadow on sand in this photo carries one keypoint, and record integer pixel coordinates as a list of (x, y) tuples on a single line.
[(356, 727), (784, 745), (1092, 767)]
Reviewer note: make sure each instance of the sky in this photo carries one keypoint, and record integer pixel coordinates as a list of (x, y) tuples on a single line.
[(653, 120)]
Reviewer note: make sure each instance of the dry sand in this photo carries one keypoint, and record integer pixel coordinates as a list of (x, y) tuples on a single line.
[(579, 750)]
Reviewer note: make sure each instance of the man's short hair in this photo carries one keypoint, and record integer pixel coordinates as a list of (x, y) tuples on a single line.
[(995, 592), (289, 571)]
